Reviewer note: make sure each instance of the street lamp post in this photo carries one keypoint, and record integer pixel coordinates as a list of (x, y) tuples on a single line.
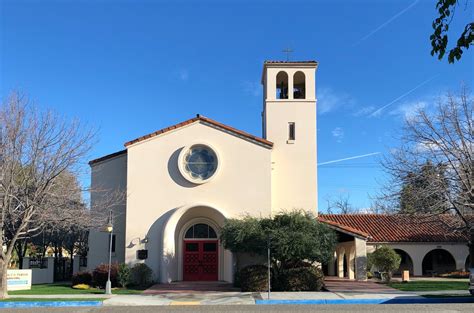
[(110, 229), (269, 266)]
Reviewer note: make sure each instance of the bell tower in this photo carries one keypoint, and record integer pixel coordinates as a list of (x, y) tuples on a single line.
[(289, 121)]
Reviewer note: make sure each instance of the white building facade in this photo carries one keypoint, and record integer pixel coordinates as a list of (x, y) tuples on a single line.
[(184, 181)]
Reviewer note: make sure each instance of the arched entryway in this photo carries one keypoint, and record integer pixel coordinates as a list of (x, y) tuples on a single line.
[(200, 253), (438, 261), (406, 263), (179, 226)]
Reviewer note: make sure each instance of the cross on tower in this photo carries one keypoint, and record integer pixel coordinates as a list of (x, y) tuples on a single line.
[(287, 51)]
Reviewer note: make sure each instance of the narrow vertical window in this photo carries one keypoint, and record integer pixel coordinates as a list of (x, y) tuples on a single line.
[(113, 243), (291, 131)]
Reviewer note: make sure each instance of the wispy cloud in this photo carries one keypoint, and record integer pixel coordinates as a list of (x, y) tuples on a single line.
[(363, 111), (385, 23), (329, 100), (409, 109), (338, 134), (252, 88), (379, 110), (349, 158)]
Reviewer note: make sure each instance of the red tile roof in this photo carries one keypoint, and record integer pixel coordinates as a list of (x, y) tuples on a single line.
[(290, 62), (201, 118), (401, 228), (344, 228)]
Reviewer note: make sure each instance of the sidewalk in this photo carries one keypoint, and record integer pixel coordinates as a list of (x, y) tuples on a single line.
[(248, 298)]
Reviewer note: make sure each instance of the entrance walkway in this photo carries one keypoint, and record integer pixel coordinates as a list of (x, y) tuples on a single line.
[(182, 287), (338, 285)]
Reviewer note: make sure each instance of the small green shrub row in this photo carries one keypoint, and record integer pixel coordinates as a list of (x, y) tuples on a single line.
[(120, 275), (303, 278)]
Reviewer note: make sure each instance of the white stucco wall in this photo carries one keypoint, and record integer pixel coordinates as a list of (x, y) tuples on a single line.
[(106, 177), (294, 163), (156, 191), (417, 251)]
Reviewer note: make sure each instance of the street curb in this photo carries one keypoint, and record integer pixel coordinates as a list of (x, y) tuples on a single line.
[(369, 301), (43, 304)]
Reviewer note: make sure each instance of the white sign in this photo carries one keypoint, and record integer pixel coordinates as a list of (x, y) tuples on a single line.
[(18, 280)]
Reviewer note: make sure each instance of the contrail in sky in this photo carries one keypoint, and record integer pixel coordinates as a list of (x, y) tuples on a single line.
[(349, 158), (377, 112), (386, 23)]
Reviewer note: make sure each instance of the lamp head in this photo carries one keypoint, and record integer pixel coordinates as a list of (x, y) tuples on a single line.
[(110, 228)]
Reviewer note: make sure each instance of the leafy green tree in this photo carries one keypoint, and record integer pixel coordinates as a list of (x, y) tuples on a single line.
[(424, 191), (386, 260), (439, 38), (294, 237)]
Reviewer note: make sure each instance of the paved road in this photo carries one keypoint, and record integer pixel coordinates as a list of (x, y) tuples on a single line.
[(391, 308)]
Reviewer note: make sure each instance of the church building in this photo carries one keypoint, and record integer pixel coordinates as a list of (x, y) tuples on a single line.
[(182, 182)]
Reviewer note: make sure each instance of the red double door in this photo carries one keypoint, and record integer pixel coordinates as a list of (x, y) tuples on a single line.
[(200, 261)]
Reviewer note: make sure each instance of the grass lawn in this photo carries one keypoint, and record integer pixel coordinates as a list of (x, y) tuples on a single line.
[(13, 299), (425, 285), (65, 289), (447, 296)]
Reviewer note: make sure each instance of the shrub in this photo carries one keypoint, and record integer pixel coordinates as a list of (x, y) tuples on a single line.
[(81, 286), (81, 278), (370, 262), (141, 275), (100, 274), (237, 279), (386, 260), (123, 275), (254, 278), (294, 236), (307, 278)]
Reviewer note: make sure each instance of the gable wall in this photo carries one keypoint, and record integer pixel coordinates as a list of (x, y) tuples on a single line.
[(156, 187)]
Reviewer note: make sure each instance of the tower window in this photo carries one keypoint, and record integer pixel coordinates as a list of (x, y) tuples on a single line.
[(282, 85), (291, 131), (299, 86)]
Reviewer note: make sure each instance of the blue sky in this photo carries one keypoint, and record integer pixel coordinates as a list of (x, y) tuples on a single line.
[(132, 67)]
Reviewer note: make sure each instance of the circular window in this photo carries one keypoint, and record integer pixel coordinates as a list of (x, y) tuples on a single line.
[(198, 163)]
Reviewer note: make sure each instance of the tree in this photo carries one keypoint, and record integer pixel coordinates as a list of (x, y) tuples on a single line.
[(443, 135), (294, 237), (414, 197), (341, 204), (37, 148), (439, 38), (386, 260)]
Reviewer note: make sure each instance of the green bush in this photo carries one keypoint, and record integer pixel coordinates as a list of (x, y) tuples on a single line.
[(141, 275), (81, 278), (100, 275), (237, 279), (254, 278), (370, 262), (386, 260), (123, 275), (307, 278), (294, 236)]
